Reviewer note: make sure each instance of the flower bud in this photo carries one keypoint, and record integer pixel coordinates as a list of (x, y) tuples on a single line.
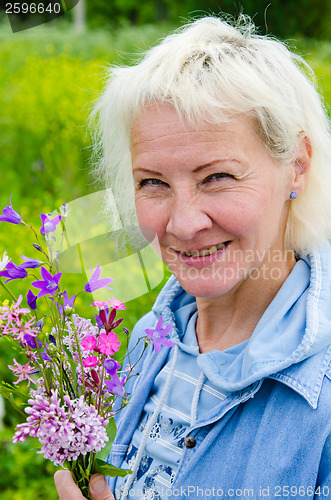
[(68, 311), (37, 247), (95, 376)]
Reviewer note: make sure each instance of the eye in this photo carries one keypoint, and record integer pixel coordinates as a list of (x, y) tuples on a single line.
[(152, 182), (217, 176)]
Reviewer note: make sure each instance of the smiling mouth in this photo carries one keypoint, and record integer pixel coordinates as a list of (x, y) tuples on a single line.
[(205, 251)]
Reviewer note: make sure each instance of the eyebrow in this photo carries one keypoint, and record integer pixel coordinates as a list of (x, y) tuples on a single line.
[(211, 163), (197, 169), (147, 170)]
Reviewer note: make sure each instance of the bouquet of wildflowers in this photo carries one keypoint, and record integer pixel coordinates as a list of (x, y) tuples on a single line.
[(74, 382)]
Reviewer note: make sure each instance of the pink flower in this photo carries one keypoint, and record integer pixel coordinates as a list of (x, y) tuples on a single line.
[(21, 371), (116, 304), (89, 343), (10, 313), (90, 362), (98, 303), (108, 343), (18, 330)]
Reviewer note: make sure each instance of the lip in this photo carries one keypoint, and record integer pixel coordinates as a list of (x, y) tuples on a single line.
[(202, 261)]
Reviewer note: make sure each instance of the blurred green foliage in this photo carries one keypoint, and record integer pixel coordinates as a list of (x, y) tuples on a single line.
[(49, 77), (48, 80), (279, 17), (25, 475)]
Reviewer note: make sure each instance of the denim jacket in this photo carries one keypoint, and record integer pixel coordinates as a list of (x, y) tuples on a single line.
[(271, 437)]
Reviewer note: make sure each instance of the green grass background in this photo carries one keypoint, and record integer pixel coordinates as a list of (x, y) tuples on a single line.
[(49, 77)]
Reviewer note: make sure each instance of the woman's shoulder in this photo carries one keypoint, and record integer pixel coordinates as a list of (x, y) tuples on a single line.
[(325, 394), (309, 381)]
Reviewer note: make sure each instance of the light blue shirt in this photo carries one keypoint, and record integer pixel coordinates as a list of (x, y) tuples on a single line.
[(165, 444), (270, 435)]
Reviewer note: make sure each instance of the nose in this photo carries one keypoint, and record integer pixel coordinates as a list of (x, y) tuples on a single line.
[(187, 217)]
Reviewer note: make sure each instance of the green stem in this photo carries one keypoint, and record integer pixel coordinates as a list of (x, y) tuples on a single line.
[(93, 464), (100, 398), (37, 239), (8, 291), (80, 355)]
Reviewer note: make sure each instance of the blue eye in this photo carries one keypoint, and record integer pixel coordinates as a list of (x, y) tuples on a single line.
[(152, 182), (217, 176)]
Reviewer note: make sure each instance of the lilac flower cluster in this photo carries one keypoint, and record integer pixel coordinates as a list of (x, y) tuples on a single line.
[(75, 325), (63, 430)]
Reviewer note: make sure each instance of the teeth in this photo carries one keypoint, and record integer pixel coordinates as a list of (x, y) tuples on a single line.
[(205, 251)]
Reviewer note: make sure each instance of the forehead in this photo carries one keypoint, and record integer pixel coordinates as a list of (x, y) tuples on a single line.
[(159, 129)]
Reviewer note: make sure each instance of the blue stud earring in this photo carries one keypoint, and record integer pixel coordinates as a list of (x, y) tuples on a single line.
[(293, 195)]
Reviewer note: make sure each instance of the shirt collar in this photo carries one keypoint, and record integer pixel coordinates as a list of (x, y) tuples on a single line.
[(306, 377)]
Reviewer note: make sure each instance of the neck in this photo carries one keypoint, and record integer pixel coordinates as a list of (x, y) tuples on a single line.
[(228, 319)]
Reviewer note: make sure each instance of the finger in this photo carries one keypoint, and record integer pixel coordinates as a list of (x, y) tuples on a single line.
[(99, 489), (66, 487)]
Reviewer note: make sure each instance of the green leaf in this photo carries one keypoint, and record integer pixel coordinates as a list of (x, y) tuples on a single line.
[(110, 470), (111, 433), (11, 399), (6, 389), (7, 392)]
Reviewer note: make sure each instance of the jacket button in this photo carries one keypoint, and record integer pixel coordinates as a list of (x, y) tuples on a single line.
[(189, 442)]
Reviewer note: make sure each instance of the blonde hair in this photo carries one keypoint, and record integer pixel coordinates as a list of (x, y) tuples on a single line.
[(208, 70)]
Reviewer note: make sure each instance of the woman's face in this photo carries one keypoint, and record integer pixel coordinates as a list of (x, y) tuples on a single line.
[(215, 197)]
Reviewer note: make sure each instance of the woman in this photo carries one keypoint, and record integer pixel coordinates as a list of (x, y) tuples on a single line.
[(230, 152)]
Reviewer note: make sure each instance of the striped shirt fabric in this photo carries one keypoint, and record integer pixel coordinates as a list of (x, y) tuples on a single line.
[(165, 443)]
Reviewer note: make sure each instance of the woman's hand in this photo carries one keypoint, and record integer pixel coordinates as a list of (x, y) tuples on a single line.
[(68, 490)]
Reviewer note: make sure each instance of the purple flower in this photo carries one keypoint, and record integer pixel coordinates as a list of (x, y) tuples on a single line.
[(67, 303), (40, 324), (30, 263), (49, 225), (49, 284), (32, 341), (9, 215), (111, 365), (52, 339), (158, 335), (32, 300), (115, 385), (95, 283), (13, 272)]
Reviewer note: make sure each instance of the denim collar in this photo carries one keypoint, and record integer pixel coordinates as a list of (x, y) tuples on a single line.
[(306, 377)]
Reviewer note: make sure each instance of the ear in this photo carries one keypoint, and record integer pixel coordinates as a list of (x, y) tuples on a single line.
[(301, 164)]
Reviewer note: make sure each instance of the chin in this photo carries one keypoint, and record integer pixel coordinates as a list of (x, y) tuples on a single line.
[(207, 288)]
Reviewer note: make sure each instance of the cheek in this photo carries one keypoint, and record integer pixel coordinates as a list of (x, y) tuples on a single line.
[(151, 215), (241, 217), (248, 216)]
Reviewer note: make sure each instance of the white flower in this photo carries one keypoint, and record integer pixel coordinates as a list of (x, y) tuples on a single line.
[(4, 261), (64, 210)]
